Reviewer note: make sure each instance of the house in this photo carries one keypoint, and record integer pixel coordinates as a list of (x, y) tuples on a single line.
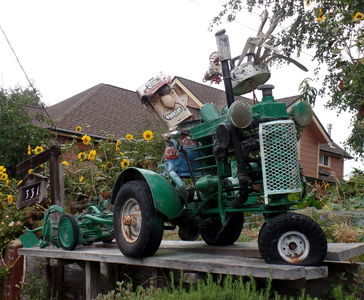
[(108, 109)]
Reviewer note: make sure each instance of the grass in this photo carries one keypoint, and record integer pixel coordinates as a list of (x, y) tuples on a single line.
[(220, 288)]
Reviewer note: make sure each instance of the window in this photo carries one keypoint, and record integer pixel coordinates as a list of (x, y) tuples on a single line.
[(324, 160)]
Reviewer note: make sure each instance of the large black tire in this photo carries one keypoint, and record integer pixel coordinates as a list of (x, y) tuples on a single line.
[(213, 234), (138, 228), (68, 232), (292, 239)]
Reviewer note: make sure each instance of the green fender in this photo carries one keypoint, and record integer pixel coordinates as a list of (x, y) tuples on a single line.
[(165, 197)]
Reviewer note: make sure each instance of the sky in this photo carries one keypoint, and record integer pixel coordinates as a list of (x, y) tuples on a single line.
[(69, 46)]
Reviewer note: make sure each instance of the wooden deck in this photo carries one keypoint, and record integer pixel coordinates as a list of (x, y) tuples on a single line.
[(239, 259)]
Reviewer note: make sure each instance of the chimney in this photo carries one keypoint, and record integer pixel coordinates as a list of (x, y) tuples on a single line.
[(329, 129)]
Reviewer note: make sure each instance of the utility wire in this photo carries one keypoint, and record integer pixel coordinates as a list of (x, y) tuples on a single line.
[(26, 76)]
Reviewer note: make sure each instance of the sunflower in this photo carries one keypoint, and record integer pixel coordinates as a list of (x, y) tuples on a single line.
[(2, 169), (81, 156), (125, 163), (4, 176), (66, 163), (29, 150), (129, 137), (148, 135), (30, 171), (82, 179), (117, 145), (358, 16), (38, 150), (78, 129), (10, 199), (91, 155), (86, 139), (321, 16), (19, 182)]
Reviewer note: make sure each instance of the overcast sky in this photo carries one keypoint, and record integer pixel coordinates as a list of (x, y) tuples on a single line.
[(69, 46)]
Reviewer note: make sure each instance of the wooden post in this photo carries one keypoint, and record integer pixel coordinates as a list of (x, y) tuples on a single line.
[(92, 274), (55, 179)]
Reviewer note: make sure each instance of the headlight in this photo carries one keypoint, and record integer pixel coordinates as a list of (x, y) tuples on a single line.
[(240, 114), (302, 113)]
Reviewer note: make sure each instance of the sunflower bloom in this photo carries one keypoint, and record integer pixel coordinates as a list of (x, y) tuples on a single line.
[(129, 137), (29, 150), (38, 150), (91, 155), (66, 163), (81, 156), (117, 145), (321, 16), (148, 135), (10, 199), (19, 182), (78, 129), (82, 179), (86, 139), (125, 163), (4, 176), (2, 169), (30, 171), (358, 16)]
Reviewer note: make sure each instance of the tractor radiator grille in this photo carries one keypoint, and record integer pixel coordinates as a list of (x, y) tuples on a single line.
[(279, 155)]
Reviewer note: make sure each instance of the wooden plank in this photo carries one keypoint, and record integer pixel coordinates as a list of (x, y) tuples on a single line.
[(344, 251), (335, 251), (189, 261)]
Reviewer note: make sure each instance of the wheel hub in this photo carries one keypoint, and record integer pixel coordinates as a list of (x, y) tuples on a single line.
[(131, 220), (293, 246)]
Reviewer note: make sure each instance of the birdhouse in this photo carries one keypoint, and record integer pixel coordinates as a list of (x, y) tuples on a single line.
[(32, 190)]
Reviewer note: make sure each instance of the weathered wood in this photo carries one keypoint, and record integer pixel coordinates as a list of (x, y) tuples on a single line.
[(92, 274), (35, 161), (55, 179), (335, 251), (189, 261), (56, 271)]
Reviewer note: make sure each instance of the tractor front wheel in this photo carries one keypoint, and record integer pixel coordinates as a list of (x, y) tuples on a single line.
[(292, 239), (138, 227)]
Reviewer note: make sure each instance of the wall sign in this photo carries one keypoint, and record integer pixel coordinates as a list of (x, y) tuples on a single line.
[(32, 190)]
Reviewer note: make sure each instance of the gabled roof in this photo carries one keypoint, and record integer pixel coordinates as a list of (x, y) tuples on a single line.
[(107, 109), (207, 94), (334, 148)]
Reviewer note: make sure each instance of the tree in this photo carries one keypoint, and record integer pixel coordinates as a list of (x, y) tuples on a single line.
[(17, 127), (334, 30)]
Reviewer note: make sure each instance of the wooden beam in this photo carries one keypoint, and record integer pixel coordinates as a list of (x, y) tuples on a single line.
[(35, 161), (92, 274)]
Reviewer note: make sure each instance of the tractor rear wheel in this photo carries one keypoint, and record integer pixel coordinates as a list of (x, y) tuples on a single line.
[(217, 235), (292, 239), (68, 232), (138, 227)]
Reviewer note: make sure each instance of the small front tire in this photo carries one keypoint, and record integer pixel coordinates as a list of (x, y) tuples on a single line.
[(292, 239)]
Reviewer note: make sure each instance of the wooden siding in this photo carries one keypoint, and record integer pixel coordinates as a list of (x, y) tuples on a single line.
[(308, 154), (336, 167)]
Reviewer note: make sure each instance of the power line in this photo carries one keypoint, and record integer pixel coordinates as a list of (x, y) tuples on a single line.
[(26, 76)]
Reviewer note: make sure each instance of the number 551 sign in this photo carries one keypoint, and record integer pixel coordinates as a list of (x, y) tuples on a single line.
[(32, 190)]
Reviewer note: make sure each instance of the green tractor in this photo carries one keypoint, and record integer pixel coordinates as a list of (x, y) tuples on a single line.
[(242, 159)]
